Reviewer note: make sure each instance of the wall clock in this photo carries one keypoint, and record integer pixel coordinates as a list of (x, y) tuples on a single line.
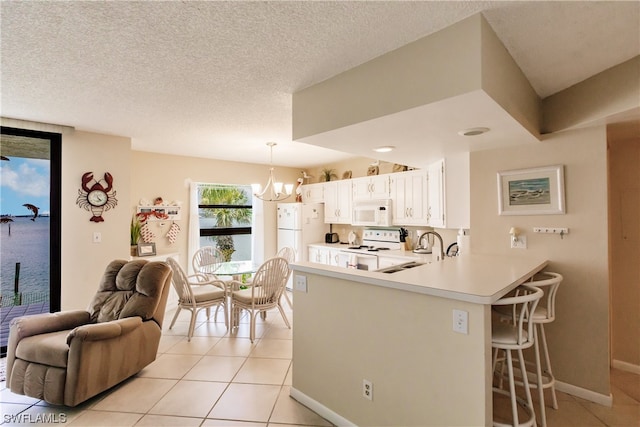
[(97, 197)]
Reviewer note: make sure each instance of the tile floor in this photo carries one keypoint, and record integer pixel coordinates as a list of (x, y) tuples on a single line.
[(221, 379)]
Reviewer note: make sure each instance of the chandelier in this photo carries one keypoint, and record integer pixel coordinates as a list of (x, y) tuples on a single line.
[(272, 192)]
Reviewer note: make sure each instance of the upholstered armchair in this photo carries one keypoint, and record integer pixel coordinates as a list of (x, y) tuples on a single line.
[(68, 357)]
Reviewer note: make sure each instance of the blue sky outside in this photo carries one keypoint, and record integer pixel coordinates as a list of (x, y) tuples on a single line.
[(24, 181)]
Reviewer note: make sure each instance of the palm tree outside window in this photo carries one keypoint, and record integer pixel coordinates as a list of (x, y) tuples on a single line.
[(225, 219)]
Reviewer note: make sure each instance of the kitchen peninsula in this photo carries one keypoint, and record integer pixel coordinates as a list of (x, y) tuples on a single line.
[(396, 332)]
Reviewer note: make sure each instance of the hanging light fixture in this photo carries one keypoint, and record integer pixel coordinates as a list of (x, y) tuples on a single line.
[(272, 192)]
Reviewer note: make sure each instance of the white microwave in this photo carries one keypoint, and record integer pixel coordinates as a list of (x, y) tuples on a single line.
[(372, 213)]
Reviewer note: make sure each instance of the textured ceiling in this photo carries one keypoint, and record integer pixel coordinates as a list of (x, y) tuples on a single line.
[(214, 79)]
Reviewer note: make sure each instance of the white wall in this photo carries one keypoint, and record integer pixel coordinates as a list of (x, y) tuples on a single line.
[(579, 338)]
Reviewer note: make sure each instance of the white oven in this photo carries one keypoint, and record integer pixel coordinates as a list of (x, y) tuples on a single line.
[(358, 260)]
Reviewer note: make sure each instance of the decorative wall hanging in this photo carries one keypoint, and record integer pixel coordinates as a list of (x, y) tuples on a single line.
[(98, 197), (535, 191)]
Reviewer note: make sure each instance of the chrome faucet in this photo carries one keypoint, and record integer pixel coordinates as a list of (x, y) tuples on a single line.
[(439, 238)]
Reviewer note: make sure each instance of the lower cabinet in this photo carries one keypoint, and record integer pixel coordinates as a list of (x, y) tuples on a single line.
[(324, 255)]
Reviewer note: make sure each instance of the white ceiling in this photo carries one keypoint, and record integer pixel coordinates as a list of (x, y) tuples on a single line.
[(215, 79)]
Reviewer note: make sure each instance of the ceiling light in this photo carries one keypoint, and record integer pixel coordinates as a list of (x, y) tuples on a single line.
[(384, 149), (273, 190), (473, 131)]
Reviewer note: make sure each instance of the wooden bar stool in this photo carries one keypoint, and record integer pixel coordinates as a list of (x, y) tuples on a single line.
[(516, 335)]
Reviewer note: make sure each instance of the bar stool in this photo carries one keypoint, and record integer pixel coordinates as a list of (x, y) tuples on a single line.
[(510, 336), (548, 282)]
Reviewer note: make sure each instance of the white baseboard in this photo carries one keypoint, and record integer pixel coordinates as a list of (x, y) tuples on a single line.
[(320, 409), (625, 366), (583, 393)]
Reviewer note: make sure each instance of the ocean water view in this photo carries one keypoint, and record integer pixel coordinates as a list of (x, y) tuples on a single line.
[(27, 244)]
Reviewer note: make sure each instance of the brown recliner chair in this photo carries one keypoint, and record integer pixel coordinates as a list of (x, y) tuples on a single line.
[(68, 357)]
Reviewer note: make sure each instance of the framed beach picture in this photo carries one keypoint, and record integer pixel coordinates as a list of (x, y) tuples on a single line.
[(535, 191), (146, 249)]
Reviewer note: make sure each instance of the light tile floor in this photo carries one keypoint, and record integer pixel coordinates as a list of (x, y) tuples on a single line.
[(222, 379)]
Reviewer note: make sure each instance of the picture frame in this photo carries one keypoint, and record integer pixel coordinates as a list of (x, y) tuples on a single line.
[(146, 249), (534, 191)]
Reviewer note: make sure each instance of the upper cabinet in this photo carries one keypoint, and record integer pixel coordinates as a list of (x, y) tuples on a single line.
[(436, 195), (409, 197), (337, 202), (313, 193), (371, 187)]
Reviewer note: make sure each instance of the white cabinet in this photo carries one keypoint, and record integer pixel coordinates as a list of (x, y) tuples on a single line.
[(337, 202), (313, 193), (333, 257), (409, 197), (317, 254), (436, 195), (371, 187), (324, 255)]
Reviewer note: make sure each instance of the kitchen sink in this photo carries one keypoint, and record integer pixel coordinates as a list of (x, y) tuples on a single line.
[(400, 267)]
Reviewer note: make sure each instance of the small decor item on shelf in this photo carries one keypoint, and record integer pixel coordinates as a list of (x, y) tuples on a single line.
[(346, 175), (328, 175), (299, 190), (399, 168), (158, 201), (146, 249), (373, 170)]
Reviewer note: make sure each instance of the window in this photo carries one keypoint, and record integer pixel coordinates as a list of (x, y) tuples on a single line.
[(225, 219)]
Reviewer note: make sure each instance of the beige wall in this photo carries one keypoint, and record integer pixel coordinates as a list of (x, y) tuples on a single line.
[(83, 261), (624, 214), (422, 372), (168, 176), (579, 338)]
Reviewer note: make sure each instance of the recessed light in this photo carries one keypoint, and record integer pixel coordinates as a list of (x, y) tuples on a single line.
[(473, 131), (384, 149)]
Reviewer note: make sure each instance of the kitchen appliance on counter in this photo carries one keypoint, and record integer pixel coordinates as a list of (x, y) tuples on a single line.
[(372, 213), (374, 240), (300, 224)]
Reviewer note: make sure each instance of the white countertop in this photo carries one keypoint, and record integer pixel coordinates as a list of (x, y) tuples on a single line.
[(480, 279)]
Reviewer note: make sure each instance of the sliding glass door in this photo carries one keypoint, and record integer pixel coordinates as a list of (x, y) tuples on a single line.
[(30, 172)]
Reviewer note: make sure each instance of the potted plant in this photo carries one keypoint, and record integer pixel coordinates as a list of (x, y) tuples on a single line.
[(328, 174), (136, 231)]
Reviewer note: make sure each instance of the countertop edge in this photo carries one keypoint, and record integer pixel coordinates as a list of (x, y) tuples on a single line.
[(395, 282)]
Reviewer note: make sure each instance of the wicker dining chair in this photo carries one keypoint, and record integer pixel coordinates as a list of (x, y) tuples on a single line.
[(264, 294), (196, 295)]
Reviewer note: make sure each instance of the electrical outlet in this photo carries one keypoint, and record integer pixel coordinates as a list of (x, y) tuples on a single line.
[(521, 243), (97, 237), (461, 321), (367, 389), (301, 283)]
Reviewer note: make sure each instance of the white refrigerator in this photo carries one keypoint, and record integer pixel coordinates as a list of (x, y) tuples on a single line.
[(300, 224)]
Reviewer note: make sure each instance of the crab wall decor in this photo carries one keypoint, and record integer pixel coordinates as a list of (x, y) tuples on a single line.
[(98, 196)]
